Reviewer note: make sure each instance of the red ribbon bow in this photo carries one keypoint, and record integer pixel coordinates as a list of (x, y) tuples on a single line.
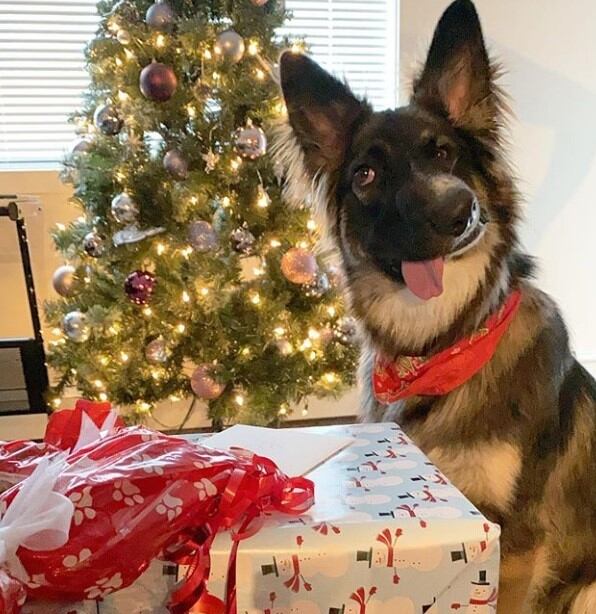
[(409, 376)]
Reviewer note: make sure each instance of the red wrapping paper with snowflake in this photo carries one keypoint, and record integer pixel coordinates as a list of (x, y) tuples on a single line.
[(121, 501)]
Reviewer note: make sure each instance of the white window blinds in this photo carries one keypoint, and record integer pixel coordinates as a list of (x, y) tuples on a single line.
[(42, 75), (355, 39)]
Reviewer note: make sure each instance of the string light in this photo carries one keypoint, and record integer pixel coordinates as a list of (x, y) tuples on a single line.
[(283, 410), (104, 360), (103, 396), (216, 76), (258, 271), (174, 398), (180, 327), (194, 200), (296, 48), (98, 383), (330, 378), (160, 248), (191, 110), (225, 201), (123, 96), (263, 199), (118, 62), (306, 345), (187, 251), (147, 311), (124, 357), (129, 54), (275, 243), (143, 406), (56, 403), (56, 331), (60, 226), (260, 75), (156, 374), (305, 412), (245, 352), (186, 297), (313, 334), (160, 40), (311, 225), (204, 291), (207, 54), (255, 299), (235, 164), (120, 176), (279, 331), (239, 399), (303, 244), (331, 311), (253, 48)]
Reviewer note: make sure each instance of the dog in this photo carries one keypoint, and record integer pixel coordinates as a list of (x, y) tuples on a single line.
[(458, 344)]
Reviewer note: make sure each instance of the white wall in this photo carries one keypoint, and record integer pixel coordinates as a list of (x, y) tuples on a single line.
[(549, 51)]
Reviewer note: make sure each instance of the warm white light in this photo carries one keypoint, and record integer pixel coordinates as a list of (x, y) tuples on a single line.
[(311, 225), (191, 110), (235, 164), (187, 251), (60, 226), (260, 75), (253, 48), (103, 396), (204, 291), (124, 357), (330, 378), (160, 40), (283, 410), (306, 344), (303, 244), (98, 383), (305, 412), (255, 299), (143, 406), (263, 199), (123, 96), (118, 62), (186, 296), (331, 311), (180, 328), (313, 334), (104, 360), (207, 54), (147, 311), (225, 201), (194, 200), (239, 400), (279, 331), (160, 248), (216, 76), (129, 54), (275, 243), (56, 403), (245, 352), (296, 48)]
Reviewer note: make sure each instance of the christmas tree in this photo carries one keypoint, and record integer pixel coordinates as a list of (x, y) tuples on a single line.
[(186, 276)]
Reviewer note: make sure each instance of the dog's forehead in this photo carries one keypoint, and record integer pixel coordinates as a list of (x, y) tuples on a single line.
[(403, 127)]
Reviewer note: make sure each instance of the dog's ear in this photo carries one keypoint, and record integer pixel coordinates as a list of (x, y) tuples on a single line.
[(457, 78), (322, 111)]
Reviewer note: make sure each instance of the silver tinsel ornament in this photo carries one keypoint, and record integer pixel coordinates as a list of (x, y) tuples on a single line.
[(107, 119), (156, 351), (133, 234), (76, 326), (124, 209), (243, 241), (320, 286), (202, 236), (176, 164), (64, 280), (299, 266), (94, 244), (160, 16), (250, 142), (230, 45), (346, 330)]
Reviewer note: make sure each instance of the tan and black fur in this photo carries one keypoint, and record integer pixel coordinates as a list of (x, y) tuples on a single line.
[(519, 438)]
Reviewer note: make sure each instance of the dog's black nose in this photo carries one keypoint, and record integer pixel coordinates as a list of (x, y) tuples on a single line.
[(455, 211)]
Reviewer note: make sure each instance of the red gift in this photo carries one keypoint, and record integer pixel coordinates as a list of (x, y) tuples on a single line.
[(133, 496)]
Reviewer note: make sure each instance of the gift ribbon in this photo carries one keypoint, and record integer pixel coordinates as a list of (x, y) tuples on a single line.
[(242, 505), (37, 518)]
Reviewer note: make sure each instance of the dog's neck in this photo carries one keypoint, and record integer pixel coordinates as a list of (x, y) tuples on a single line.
[(397, 323)]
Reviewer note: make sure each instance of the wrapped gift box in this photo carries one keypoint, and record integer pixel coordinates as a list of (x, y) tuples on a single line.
[(388, 535)]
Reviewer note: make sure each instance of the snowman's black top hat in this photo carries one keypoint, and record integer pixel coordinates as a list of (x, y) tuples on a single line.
[(365, 555), (482, 579), (267, 570)]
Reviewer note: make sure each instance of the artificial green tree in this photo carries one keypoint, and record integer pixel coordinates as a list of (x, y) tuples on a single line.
[(185, 274)]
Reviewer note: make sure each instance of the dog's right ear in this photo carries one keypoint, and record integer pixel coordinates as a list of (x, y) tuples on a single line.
[(322, 111)]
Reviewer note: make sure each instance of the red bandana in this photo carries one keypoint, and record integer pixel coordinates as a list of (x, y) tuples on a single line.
[(409, 376)]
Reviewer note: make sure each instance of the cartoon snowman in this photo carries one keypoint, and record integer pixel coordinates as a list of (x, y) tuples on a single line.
[(483, 598), (479, 550)]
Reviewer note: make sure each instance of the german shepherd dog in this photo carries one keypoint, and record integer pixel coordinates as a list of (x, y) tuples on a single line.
[(422, 208)]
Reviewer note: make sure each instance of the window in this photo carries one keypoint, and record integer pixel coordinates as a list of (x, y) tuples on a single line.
[(42, 74), (355, 39)]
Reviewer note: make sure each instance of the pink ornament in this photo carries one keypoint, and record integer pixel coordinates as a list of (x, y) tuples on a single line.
[(299, 266), (204, 385), (158, 82), (139, 287)]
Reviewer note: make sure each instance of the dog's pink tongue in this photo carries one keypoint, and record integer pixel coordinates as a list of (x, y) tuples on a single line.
[(424, 278)]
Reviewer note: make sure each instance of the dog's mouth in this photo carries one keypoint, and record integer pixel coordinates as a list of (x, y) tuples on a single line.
[(424, 278)]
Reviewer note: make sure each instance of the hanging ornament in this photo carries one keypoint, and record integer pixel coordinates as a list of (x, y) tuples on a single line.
[(299, 266), (176, 164), (107, 120), (201, 89), (94, 244), (230, 45), (80, 146), (326, 335), (346, 330), (211, 160), (160, 16), (76, 326), (126, 9), (319, 286), (259, 2), (156, 351), (250, 142), (124, 209), (263, 199), (158, 82), (139, 287), (64, 280), (133, 234), (202, 236), (123, 37), (243, 241), (204, 385)]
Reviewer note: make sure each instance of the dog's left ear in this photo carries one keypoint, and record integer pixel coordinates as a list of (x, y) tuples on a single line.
[(457, 78), (322, 111)]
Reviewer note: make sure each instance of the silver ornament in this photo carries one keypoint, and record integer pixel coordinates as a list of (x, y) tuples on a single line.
[(154, 143), (80, 146), (202, 236), (204, 385), (250, 142), (125, 9), (107, 120), (76, 326), (64, 280), (230, 45), (160, 16), (156, 351), (133, 234), (299, 266), (243, 241), (346, 330), (94, 244), (123, 37), (176, 164), (124, 209), (320, 286)]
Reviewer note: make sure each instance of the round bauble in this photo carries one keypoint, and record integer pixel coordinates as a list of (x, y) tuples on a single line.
[(230, 45), (204, 385), (160, 16), (123, 37), (94, 244), (80, 146), (126, 9), (158, 82), (259, 2), (139, 287), (176, 164), (202, 236), (64, 280), (156, 351), (250, 142), (346, 330), (133, 234), (299, 266), (76, 326), (242, 240), (107, 120), (124, 209)]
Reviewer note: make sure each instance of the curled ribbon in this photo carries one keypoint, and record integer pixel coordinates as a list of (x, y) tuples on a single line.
[(248, 493)]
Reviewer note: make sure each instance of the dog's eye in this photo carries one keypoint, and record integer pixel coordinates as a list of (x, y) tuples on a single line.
[(441, 153), (364, 176)]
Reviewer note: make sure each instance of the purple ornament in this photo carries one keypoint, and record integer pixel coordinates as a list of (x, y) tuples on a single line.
[(158, 82), (139, 287), (176, 164)]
